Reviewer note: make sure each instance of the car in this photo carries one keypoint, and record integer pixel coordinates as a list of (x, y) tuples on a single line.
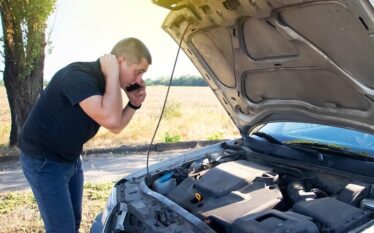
[(297, 79)]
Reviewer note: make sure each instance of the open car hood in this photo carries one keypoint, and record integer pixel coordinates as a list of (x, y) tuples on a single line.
[(282, 60)]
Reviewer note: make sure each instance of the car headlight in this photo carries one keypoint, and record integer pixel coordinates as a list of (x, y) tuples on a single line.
[(110, 220), (111, 203)]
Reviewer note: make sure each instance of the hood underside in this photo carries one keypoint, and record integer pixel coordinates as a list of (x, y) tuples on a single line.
[(282, 60)]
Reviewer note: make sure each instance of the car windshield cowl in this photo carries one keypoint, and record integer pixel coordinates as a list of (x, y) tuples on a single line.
[(316, 148), (273, 140), (323, 138), (331, 149)]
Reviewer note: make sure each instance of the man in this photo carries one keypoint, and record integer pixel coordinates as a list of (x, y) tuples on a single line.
[(79, 99)]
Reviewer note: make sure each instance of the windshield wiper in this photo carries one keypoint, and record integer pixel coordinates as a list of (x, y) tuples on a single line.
[(267, 137), (273, 140), (332, 149)]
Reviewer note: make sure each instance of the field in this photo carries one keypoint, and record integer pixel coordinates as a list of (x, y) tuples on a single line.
[(192, 113)]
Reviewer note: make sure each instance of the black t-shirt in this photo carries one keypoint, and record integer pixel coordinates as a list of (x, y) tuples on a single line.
[(57, 127)]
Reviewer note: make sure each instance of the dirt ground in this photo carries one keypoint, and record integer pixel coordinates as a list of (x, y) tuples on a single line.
[(97, 168)]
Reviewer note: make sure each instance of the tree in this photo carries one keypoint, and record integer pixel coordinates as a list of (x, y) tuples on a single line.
[(186, 80), (24, 24)]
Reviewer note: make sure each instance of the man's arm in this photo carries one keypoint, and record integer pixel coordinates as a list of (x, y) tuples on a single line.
[(136, 98), (106, 110), (127, 114)]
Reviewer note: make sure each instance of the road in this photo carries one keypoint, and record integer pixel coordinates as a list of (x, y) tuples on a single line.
[(97, 168)]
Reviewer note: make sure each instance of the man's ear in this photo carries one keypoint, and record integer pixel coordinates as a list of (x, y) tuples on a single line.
[(121, 59)]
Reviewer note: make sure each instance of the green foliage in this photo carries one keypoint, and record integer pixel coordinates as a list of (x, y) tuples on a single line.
[(215, 136), (23, 29), (1, 83), (171, 138), (10, 201), (187, 80), (172, 110), (98, 192)]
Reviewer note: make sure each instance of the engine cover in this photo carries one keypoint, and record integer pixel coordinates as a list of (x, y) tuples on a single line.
[(228, 192), (333, 215), (275, 222), (224, 178)]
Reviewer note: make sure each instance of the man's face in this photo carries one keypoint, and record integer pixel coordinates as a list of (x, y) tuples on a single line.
[(131, 74)]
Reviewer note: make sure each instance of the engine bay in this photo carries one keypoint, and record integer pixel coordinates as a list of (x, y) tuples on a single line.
[(235, 192)]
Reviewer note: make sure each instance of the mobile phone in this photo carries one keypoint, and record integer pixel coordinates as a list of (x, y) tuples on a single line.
[(133, 87)]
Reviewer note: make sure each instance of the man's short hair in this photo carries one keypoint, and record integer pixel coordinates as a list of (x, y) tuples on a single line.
[(133, 50)]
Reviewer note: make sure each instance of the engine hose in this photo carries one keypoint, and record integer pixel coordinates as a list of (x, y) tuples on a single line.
[(296, 192)]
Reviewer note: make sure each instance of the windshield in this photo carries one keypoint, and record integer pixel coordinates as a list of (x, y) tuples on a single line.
[(291, 132)]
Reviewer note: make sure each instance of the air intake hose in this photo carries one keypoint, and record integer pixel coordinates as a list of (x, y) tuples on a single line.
[(296, 192)]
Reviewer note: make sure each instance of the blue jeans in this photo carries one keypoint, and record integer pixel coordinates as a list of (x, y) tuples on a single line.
[(58, 190)]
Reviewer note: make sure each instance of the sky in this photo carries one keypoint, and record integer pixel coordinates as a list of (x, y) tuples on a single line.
[(83, 30)]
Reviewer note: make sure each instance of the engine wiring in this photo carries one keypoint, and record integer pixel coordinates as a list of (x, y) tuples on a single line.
[(166, 97)]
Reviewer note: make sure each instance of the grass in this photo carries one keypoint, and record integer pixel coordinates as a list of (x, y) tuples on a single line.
[(192, 113), (172, 110), (215, 136), (171, 138), (4, 121), (19, 211), (10, 201)]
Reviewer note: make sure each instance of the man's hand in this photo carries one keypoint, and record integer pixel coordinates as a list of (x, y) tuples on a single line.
[(109, 66), (137, 96)]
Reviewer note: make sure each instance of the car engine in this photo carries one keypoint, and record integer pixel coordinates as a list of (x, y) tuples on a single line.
[(232, 194), (233, 189)]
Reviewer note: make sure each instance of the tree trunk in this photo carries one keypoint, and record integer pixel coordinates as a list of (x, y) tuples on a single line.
[(9, 91), (22, 91), (22, 95)]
